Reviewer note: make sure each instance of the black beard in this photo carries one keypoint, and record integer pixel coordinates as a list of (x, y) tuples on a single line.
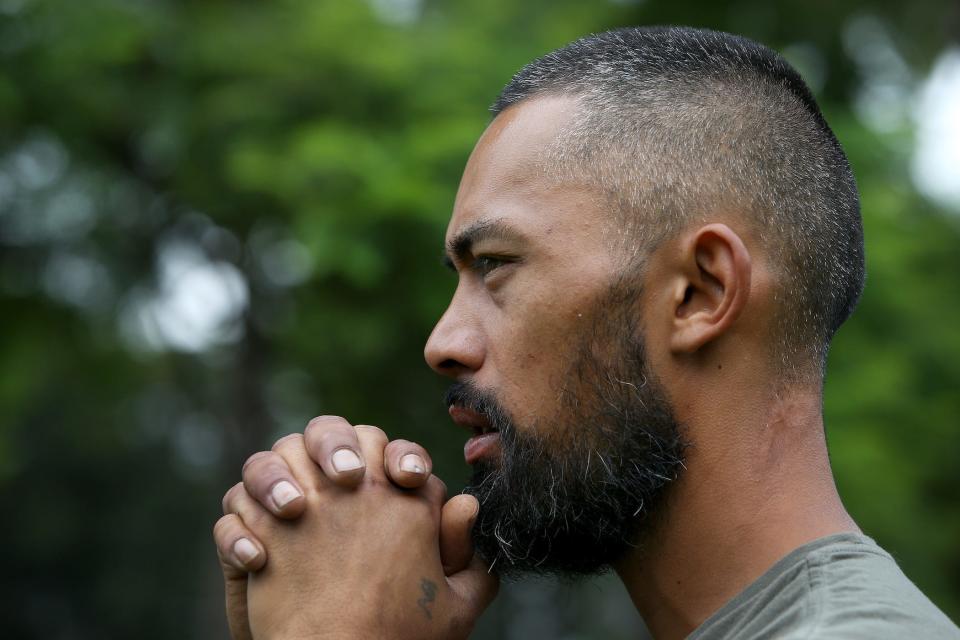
[(570, 498)]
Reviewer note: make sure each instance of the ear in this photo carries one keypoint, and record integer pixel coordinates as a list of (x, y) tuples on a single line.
[(714, 287)]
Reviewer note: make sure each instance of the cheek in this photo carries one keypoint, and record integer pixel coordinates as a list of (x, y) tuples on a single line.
[(532, 361), (534, 338)]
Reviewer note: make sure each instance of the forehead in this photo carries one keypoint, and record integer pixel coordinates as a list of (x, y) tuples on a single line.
[(507, 178)]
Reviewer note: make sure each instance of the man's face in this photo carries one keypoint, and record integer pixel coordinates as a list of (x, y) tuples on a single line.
[(533, 262), (542, 337)]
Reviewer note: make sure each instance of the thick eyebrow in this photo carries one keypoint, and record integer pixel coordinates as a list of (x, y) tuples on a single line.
[(460, 246)]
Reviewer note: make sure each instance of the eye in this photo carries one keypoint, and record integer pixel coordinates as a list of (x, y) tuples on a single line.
[(485, 264)]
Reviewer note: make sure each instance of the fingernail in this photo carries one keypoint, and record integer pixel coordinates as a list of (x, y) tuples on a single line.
[(412, 463), (245, 550), (283, 493), (346, 460)]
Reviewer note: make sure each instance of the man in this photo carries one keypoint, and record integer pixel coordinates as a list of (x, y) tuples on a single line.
[(656, 239)]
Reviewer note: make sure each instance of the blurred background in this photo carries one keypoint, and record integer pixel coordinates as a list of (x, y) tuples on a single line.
[(221, 218)]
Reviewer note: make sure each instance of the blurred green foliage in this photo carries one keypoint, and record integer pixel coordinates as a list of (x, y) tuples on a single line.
[(218, 219)]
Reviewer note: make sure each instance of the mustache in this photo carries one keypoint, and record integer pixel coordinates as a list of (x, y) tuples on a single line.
[(484, 403), (466, 395)]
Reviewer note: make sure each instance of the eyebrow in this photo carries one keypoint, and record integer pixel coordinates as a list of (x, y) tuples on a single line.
[(460, 246)]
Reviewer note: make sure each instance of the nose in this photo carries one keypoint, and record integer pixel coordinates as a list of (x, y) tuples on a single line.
[(455, 348)]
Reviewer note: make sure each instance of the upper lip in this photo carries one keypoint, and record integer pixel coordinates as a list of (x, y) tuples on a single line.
[(470, 419)]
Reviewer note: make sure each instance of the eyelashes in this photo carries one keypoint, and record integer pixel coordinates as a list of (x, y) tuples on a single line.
[(484, 265)]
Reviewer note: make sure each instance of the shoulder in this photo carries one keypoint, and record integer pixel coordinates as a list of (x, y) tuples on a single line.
[(862, 593), (843, 586)]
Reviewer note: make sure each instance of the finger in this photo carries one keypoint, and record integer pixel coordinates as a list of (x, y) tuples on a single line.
[(407, 464), (229, 498), (456, 543), (240, 510), (293, 450), (234, 541), (332, 443), (235, 599), (267, 477), (435, 492), (476, 587), (253, 515), (238, 549), (373, 441)]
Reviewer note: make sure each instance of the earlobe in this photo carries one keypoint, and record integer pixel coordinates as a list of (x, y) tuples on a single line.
[(715, 288)]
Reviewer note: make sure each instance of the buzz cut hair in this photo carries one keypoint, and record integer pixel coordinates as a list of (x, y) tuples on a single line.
[(674, 125)]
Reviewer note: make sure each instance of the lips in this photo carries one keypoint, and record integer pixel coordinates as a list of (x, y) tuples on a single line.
[(482, 446), (476, 423), (485, 442)]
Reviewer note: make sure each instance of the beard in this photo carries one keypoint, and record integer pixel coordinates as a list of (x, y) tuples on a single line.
[(572, 494)]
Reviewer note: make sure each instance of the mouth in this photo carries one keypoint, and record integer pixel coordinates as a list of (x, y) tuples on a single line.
[(474, 422), (485, 443)]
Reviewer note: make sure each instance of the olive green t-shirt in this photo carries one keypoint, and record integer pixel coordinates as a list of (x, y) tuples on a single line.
[(841, 586)]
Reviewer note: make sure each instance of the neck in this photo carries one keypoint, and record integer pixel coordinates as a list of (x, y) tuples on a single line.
[(753, 491)]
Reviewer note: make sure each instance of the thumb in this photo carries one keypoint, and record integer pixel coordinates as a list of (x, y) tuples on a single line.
[(475, 587), (235, 593), (456, 545)]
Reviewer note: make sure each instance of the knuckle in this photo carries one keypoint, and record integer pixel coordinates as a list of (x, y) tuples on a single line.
[(290, 441), (255, 519), (395, 450), (229, 497), (265, 472), (373, 433), (259, 455), (322, 423), (437, 484), (328, 432), (333, 437), (222, 526)]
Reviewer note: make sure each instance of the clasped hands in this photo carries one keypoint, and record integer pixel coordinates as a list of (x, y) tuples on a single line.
[(338, 533)]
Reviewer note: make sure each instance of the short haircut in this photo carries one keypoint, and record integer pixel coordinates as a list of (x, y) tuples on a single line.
[(674, 124)]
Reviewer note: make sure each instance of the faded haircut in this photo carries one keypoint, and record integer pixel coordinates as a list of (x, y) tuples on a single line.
[(674, 125)]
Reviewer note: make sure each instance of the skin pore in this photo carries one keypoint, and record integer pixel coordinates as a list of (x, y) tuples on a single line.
[(757, 482)]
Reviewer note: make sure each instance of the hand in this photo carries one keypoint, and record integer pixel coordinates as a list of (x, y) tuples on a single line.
[(269, 480), (359, 563)]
